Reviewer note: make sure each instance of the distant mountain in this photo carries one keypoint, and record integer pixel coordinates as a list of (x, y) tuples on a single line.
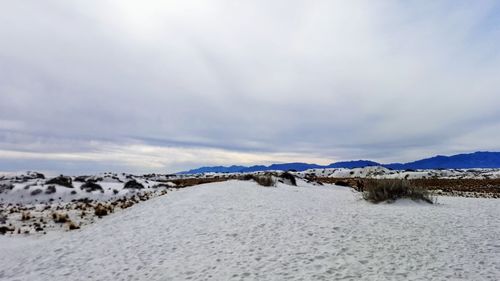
[(251, 169), (459, 161), (353, 164), (280, 167)]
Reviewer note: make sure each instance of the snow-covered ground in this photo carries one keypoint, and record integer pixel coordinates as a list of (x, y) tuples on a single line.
[(384, 173), (241, 231), (35, 188)]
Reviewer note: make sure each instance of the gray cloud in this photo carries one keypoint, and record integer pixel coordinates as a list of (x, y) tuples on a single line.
[(239, 82)]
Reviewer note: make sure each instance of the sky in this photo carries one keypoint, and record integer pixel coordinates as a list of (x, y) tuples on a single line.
[(163, 86)]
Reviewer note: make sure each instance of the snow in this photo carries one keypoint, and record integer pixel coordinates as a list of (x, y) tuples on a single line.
[(240, 231), (384, 173), (112, 188)]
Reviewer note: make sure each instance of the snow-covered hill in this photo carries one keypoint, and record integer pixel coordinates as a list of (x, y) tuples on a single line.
[(241, 231)]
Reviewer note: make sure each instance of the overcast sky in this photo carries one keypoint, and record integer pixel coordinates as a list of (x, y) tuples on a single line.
[(162, 86)]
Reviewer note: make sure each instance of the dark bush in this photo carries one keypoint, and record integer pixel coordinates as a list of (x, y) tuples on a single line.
[(61, 180), (60, 217), (289, 177), (72, 225), (100, 210), (133, 184), (36, 192), (50, 189), (379, 190), (4, 229), (81, 178), (25, 216), (248, 177), (90, 186), (342, 183), (6, 186), (265, 180)]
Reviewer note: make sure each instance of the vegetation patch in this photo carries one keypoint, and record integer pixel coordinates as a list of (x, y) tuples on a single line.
[(133, 184), (61, 180), (380, 190), (289, 177), (263, 180), (90, 186)]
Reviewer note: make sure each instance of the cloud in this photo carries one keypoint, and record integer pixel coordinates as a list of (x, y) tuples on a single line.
[(322, 81)]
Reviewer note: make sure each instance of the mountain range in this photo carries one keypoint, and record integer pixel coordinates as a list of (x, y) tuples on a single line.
[(480, 159)]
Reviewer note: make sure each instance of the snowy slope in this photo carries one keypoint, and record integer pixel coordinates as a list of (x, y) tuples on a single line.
[(240, 231)]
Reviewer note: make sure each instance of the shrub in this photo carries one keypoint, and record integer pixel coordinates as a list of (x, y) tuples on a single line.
[(61, 180), (60, 218), (25, 216), (100, 210), (4, 229), (392, 189), (6, 187), (289, 177), (72, 225), (90, 186), (50, 189), (264, 180), (133, 184), (36, 192)]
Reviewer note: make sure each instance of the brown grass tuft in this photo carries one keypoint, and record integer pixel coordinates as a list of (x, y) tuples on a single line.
[(379, 190)]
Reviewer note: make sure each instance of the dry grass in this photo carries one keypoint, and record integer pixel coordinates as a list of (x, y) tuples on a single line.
[(25, 216), (263, 180), (60, 217), (392, 189), (100, 210)]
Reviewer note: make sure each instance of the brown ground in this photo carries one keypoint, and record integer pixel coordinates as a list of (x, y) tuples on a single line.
[(482, 186)]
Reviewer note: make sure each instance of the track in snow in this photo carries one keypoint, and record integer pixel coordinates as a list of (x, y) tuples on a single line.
[(241, 231)]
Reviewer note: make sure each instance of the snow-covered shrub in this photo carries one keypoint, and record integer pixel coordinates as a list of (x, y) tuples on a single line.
[(379, 190)]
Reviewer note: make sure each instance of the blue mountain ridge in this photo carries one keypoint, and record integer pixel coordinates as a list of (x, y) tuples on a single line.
[(480, 159)]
